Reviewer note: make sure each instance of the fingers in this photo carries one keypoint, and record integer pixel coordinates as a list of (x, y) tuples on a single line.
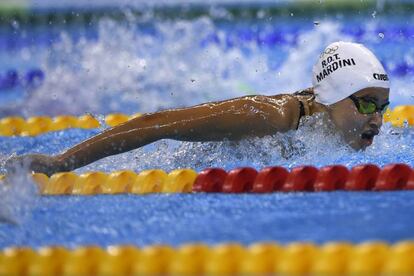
[(33, 162), (14, 164)]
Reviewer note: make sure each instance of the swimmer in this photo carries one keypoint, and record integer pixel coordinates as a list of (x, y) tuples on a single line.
[(349, 85)]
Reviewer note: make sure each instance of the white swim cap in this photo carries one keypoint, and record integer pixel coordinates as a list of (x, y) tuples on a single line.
[(344, 68)]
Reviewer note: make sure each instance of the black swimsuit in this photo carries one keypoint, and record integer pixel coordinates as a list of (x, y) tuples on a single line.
[(302, 112), (305, 97)]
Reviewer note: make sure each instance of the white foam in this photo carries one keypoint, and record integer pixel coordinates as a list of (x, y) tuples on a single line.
[(18, 196), (127, 69)]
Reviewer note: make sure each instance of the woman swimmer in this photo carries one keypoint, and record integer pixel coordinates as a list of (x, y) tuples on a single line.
[(349, 84)]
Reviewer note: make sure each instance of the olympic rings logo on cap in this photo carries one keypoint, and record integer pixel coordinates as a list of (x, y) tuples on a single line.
[(329, 51)]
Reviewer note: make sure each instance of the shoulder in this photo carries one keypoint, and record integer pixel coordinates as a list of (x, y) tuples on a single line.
[(286, 101), (285, 109)]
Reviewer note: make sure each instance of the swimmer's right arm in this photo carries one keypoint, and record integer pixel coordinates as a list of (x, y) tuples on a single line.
[(231, 119)]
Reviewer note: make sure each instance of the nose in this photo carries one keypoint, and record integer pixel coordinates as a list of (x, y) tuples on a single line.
[(376, 120)]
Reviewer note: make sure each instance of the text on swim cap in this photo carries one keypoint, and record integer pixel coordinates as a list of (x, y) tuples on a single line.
[(333, 63), (383, 77)]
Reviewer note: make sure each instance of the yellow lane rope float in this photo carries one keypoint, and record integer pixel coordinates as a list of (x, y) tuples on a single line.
[(118, 182), (333, 258), (19, 126)]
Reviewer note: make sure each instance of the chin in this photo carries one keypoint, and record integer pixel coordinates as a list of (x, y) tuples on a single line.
[(357, 144), (361, 143)]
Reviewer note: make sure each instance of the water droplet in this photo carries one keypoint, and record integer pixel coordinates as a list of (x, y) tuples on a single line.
[(261, 14), (291, 14), (316, 23), (374, 13), (15, 24)]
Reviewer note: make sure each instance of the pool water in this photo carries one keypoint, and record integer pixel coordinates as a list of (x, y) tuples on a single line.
[(142, 65), (180, 219)]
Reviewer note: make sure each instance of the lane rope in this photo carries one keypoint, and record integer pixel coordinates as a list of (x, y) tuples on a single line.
[(37, 125), (366, 177), (333, 258)]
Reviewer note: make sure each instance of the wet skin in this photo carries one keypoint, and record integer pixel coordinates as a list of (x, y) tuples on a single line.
[(358, 130), (231, 119)]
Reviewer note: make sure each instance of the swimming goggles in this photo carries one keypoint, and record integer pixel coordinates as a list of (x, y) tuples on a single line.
[(366, 106)]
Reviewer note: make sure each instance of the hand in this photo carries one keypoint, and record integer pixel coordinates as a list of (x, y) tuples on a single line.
[(33, 162)]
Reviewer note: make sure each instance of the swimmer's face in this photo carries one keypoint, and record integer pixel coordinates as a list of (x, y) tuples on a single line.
[(359, 129)]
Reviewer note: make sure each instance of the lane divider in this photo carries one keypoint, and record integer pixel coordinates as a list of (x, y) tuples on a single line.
[(333, 258), (400, 116), (12, 79), (367, 177), (19, 126)]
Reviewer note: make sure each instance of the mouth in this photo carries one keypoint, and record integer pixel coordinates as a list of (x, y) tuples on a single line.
[(367, 137)]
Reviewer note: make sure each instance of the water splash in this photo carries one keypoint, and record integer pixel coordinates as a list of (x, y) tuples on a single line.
[(18, 196), (296, 71), (131, 65), (129, 69)]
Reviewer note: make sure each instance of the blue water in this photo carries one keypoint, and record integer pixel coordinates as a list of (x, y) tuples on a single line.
[(140, 66), (179, 219)]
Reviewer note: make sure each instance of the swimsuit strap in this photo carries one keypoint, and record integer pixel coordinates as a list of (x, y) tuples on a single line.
[(302, 112), (306, 98)]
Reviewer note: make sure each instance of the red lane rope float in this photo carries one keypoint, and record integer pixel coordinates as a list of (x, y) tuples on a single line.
[(240, 180), (367, 177), (362, 177), (393, 177), (270, 179), (301, 179), (331, 178), (210, 180)]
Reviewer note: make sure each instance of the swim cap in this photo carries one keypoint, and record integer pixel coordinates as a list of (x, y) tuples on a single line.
[(344, 68)]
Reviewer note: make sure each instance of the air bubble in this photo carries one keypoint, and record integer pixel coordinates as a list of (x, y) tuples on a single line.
[(381, 35)]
